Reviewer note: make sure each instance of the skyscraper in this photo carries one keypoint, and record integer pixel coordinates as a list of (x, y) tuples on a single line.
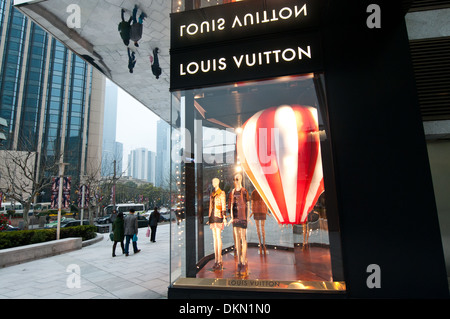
[(112, 150), (162, 177), (142, 165), (51, 99)]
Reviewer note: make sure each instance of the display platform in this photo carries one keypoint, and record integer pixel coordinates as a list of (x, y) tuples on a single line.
[(268, 272), (308, 264)]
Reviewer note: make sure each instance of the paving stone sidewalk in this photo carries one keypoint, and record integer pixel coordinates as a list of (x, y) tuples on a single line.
[(141, 276)]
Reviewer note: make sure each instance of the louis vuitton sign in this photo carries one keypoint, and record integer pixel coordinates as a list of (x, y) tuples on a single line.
[(251, 39), (242, 19), (246, 60)]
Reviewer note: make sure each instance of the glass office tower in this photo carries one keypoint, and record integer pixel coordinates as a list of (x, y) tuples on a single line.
[(45, 93)]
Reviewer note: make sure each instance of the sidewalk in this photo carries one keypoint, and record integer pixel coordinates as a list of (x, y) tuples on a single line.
[(141, 276)]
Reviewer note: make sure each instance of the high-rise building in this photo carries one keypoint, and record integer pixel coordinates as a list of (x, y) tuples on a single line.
[(112, 150), (142, 164), (46, 93), (162, 171), (118, 155), (151, 167)]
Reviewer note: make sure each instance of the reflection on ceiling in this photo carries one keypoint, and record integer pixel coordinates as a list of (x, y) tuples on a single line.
[(98, 41)]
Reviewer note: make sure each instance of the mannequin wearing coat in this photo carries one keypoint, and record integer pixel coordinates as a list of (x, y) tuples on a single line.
[(239, 216), (217, 209), (259, 213)]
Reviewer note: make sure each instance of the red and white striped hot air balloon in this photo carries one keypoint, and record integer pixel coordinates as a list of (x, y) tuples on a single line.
[(279, 149)]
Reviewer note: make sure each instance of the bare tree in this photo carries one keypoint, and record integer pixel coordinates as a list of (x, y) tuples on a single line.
[(100, 188), (19, 180)]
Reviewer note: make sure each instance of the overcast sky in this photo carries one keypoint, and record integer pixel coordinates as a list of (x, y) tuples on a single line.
[(136, 125)]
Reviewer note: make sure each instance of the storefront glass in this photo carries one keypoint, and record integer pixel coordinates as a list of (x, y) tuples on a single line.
[(252, 187)]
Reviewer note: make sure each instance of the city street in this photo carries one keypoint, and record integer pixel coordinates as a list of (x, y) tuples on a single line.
[(141, 276)]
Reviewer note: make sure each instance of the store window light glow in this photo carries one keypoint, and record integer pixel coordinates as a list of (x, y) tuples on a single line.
[(279, 149)]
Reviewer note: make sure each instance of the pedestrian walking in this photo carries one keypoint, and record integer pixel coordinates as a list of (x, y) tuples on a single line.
[(131, 231), (154, 60), (137, 26), (153, 223), (113, 216), (118, 233), (125, 28), (131, 60)]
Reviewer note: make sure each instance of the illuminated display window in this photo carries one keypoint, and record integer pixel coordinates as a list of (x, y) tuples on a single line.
[(251, 187)]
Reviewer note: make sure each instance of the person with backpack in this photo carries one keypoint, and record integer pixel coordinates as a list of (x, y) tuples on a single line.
[(137, 26), (131, 231)]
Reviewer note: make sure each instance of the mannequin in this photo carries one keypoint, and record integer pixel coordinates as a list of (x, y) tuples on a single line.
[(217, 210), (239, 214), (259, 212)]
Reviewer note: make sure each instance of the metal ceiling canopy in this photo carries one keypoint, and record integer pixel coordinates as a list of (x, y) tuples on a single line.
[(96, 38)]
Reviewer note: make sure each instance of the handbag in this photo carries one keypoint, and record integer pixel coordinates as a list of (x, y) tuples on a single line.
[(148, 232), (235, 210), (135, 238), (111, 236), (214, 219)]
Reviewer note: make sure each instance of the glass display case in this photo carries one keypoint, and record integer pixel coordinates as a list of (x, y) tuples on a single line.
[(252, 187)]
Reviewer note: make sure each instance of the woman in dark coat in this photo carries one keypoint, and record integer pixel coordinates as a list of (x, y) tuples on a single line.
[(118, 230), (153, 223)]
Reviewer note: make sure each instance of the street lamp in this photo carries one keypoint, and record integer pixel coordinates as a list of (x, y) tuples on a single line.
[(60, 190)]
